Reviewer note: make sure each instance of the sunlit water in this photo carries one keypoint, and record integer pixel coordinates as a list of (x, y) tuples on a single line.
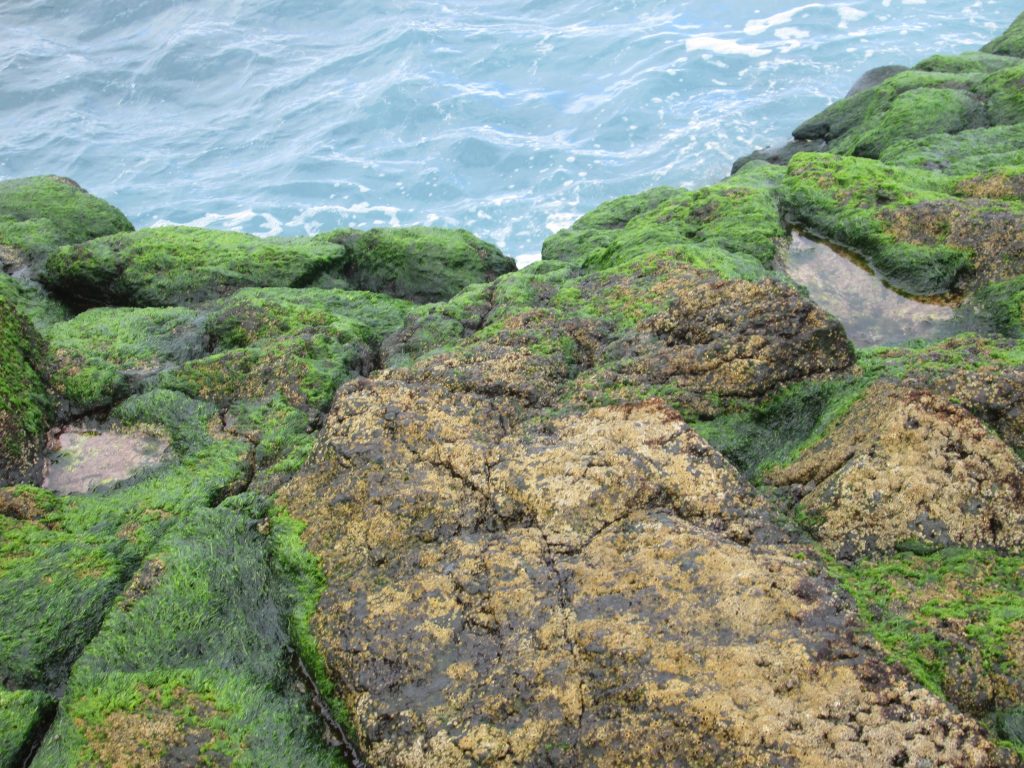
[(507, 117), (871, 312)]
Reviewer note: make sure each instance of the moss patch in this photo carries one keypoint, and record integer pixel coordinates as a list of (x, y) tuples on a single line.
[(954, 619), (102, 355), (41, 213), (422, 264), (23, 716), (183, 265)]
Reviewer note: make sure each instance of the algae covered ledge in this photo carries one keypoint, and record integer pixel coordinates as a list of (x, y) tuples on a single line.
[(686, 491)]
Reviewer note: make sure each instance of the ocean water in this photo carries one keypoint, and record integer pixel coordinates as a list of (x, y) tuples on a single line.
[(510, 118)]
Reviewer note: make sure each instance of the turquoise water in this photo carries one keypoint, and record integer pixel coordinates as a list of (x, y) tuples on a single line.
[(507, 117)]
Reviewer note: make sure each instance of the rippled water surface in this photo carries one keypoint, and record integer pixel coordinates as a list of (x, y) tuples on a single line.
[(507, 117), (871, 312)]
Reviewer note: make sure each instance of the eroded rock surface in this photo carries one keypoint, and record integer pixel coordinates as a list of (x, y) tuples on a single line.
[(909, 465), (506, 588)]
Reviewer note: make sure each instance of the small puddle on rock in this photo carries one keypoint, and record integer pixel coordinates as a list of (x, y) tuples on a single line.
[(871, 312), (83, 459)]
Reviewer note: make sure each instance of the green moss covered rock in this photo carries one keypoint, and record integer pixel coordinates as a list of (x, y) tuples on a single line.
[(968, 152), (26, 409), (1011, 42), (421, 264), (171, 266), (24, 717), (193, 662), (41, 213), (300, 344), (103, 355)]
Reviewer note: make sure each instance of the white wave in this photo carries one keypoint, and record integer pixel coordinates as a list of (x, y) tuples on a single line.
[(235, 222), (525, 259), (558, 221), (759, 26), (307, 217), (718, 45)]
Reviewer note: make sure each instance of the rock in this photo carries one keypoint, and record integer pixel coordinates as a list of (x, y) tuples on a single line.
[(171, 266), (421, 264), (874, 77), (717, 342), (25, 406), (299, 343), (1011, 42), (41, 213), (863, 205), (505, 589), (24, 716), (103, 355), (782, 154), (907, 465), (971, 61)]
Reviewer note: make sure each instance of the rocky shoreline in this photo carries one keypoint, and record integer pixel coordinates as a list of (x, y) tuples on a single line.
[(382, 499)]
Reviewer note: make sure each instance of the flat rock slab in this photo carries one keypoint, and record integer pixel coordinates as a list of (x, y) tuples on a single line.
[(83, 459)]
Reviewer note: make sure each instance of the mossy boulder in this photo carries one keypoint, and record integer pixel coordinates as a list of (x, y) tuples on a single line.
[(1011, 42), (732, 227), (26, 409), (421, 264), (972, 61), (907, 105), (877, 209), (103, 355), (193, 662), (1004, 92), (298, 343), (32, 301), (977, 151), (41, 213), (63, 563), (171, 266), (24, 717), (954, 618)]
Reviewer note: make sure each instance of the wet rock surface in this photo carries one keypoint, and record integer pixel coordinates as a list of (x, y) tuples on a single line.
[(639, 503), (83, 459)]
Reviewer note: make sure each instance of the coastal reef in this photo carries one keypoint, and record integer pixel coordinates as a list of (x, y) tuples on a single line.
[(377, 498)]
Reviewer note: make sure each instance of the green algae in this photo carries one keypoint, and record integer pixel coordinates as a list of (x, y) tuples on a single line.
[(301, 344), (59, 574), (975, 151), (33, 302), (949, 614), (41, 213), (846, 199), (104, 354), (1011, 42), (914, 114), (971, 61), (732, 227), (1004, 92), (421, 264), (195, 655), (23, 717), (25, 405), (172, 266)]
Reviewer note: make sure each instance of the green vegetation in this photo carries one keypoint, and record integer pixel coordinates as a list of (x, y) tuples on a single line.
[(171, 266), (103, 354), (301, 344), (421, 264), (32, 301), (969, 152), (25, 406), (192, 662), (866, 205), (41, 213), (971, 61), (23, 716), (954, 618), (1011, 42)]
